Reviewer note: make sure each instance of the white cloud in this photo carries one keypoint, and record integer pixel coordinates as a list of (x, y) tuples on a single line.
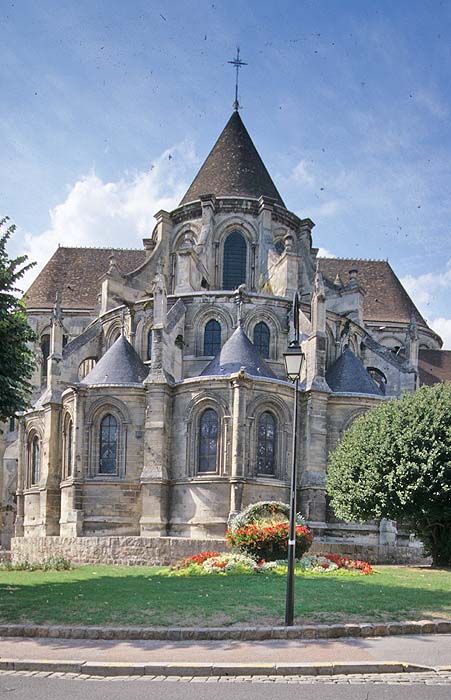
[(442, 326), (301, 174), (427, 288), (117, 214), (326, 210), (324, 253)]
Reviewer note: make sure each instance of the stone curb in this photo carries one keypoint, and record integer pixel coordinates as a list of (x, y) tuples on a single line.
[(106, 668), (179, 634)]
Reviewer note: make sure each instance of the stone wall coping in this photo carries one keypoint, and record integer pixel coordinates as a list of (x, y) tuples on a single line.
[(240, 633)]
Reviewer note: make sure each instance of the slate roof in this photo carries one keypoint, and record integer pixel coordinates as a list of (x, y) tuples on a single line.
[(385, 299), (238, 352), (121, 364), (348, 375), (434, 366), (75, 273), (233, 168)]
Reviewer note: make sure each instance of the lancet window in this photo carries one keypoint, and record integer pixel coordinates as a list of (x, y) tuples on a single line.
[(234, 261), (108, 445), (208, 441), (266, 444)]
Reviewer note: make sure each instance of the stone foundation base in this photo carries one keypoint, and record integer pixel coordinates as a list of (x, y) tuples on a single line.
[(125, 551), (149, 551)]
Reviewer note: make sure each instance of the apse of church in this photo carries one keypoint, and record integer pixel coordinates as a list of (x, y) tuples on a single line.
[(161, 404)]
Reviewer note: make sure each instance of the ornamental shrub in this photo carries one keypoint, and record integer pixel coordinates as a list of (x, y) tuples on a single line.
[(264, 511), (269, 541)]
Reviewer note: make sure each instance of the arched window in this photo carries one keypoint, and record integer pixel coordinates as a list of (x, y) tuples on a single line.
[(261, 338), (45, 349), (266, 444), (208, 441), (279, 246), (68, 438), (149, 345), (212, 338), (108, 445), (379, 377), (86, 366), (234, 263), (35, 460)]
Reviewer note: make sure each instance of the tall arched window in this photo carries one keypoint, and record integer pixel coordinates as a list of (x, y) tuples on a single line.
[(208, 441), (212, 338), (68, 438), (266, 444), (149, 345), (35, 460), (261, 338), (234, 262), (45, 350), (108, 445)]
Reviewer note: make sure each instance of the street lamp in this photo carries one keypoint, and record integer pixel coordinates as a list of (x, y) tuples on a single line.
[(294, 358)]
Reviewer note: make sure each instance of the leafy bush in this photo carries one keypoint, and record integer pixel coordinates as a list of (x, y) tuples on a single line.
[(395, 462), (264, 511), (269, 541)]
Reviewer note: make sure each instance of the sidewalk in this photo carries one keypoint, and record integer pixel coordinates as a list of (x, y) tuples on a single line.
[(314, 657)]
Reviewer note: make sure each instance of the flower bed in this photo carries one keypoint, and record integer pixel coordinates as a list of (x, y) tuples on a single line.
[(225, 563)]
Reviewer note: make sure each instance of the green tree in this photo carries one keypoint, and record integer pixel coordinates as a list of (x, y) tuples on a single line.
[(395, 462), (16, 358)]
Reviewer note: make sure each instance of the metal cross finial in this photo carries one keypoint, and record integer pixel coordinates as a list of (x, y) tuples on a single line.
[(237, 63)]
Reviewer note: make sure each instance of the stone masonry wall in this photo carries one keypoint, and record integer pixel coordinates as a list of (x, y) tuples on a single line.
[(149, 551), (126, 551)]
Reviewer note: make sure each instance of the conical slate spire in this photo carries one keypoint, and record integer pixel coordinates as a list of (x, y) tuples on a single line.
[(236, 353), (348, 376), (121, 364), (233, 168)]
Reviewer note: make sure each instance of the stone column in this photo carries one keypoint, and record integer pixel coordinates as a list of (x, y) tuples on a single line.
[(239, 384), (314, 457), (71, 522), (21, 471), (154, 521)]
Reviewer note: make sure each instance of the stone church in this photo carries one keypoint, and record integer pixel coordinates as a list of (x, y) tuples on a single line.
[(161, 405)]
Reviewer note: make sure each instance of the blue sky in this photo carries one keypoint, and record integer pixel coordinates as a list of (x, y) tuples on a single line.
[(109, 108)]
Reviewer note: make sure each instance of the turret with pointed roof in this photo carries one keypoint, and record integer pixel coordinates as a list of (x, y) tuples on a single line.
[(233, 168), (238, 352)]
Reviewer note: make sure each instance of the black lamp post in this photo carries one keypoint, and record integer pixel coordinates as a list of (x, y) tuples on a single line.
[(294, 358)]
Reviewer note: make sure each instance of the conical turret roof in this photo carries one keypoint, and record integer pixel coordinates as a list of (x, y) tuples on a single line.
[(121, 364), (348, 375), (233, 168), (238, 352)]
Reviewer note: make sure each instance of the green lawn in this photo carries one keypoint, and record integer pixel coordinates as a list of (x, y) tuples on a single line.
[(108, 595)]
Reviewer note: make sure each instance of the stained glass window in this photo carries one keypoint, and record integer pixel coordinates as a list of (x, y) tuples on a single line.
[(208, 441), (108, 445), (234, 265), (212, 338), (261, 338), (266, 444), (35, 459), (149, 345)]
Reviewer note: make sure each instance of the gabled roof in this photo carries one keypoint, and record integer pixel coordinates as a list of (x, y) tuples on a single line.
[(75, 273), (233, 168), (434, 366), (238, 352), (385, 299), (121, 364), (348, 375)]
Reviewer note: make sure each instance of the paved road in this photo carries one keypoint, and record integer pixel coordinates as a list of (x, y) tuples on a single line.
[(23, 685), (429, 650)]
